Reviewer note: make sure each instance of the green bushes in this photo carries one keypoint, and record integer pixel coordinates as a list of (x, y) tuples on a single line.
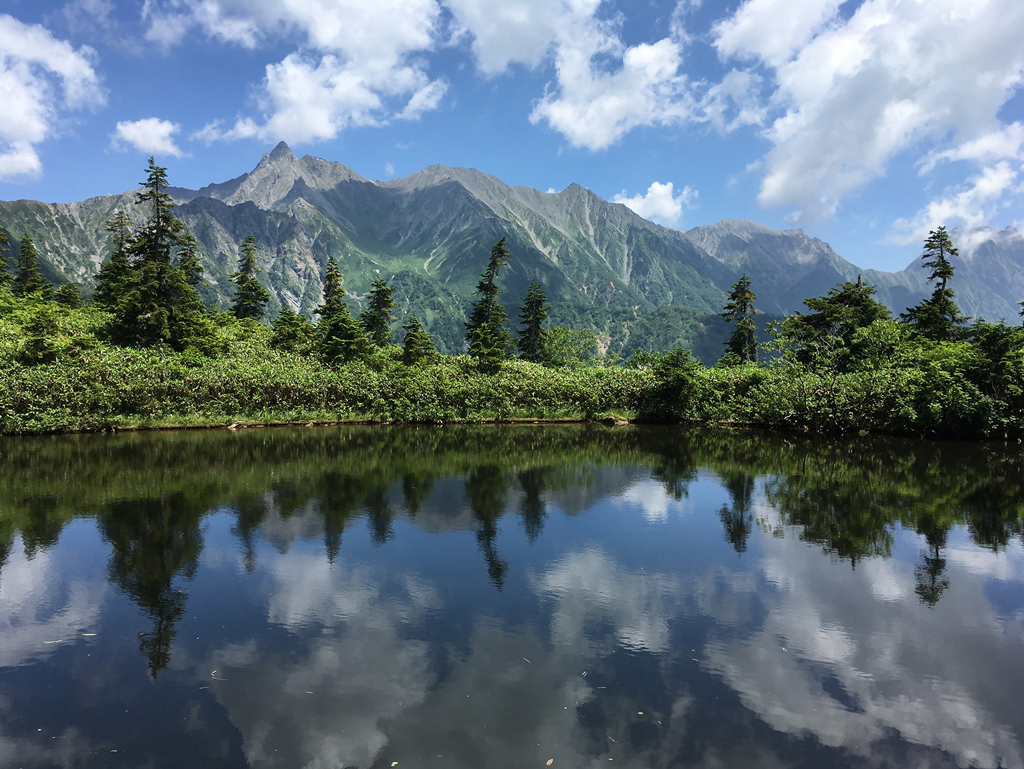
[(58, 373)]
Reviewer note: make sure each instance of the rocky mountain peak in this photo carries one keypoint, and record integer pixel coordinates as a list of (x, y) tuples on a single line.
[(282, 152)]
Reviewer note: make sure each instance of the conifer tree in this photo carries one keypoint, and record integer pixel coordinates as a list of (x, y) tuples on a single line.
[(333, 297), (826, 333), (533, 313), (376, 319), (417, 344), (340, 336), (68, 296), (250, 297), (740, 310), (6, 279), (157, 303), (1022, 308), (115, 272), (292, 332), (28, 280), (189, 261), (485, 329), (937, 317)]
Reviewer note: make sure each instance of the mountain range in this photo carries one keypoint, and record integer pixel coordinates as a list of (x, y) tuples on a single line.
[(638, 284)]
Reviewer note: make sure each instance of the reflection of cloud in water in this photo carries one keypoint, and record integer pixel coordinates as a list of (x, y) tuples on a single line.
[(1007, 565), (652, 499), (847, 655), (38, 607), (588, 586), (327, 706)]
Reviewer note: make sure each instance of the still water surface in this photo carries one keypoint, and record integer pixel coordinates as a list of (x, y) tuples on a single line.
[(509, 597)]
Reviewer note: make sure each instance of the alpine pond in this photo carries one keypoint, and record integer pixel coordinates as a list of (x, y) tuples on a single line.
[(509, 597)]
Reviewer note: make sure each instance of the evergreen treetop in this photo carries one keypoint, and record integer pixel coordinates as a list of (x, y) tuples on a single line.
[(251, 298), (740, 310), (155, 302), (938, 317), (376, 319), (292, 332), (485, 328), (5, 277), (113, 273), (189, 261), (533, 313), (937, 249), (162, 232), (835, 318), (28, 279), (68, 296), (333, 297), (417, 344), (342, 338)]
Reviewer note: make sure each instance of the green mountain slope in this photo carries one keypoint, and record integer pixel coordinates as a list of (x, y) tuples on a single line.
[(430, 234)]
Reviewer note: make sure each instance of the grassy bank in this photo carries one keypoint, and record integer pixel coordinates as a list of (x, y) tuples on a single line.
[(59, 374)]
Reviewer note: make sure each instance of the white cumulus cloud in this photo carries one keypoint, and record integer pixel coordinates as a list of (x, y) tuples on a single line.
[(974, 204), (357, 63), (150, 135), (40, 77), (660, 204), (893, 76)]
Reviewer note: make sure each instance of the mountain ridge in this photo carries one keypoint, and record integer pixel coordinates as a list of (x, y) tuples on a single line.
[(431, 232)]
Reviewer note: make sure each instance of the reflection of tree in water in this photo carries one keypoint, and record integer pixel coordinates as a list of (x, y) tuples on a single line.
[(930, 574), (836, 504), (847, 495), (738, 520), (250, 513), (531, 505), (487, 489), (153, 542), (415, 491), (380, 514)]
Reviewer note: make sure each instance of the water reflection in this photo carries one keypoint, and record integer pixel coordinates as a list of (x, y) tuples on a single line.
[(496, 597)]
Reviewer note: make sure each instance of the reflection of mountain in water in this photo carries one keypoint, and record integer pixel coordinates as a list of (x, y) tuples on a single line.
[(151, 492)]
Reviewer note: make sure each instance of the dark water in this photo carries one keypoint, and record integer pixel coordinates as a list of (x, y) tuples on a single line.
[(502, 597)]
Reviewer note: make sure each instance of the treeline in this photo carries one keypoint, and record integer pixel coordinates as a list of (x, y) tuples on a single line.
[(147, 351)]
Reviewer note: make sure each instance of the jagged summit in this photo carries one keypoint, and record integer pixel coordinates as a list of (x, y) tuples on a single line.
[(281, 152), (430, 233)]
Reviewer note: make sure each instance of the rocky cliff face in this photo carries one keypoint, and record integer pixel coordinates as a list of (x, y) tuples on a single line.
[(430, 234)]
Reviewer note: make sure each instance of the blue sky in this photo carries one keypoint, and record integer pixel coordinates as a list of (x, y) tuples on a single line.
[(866, 123)]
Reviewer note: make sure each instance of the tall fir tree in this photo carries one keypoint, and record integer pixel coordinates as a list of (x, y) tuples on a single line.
[(532, 314), (158, 304), (938, 317), (292, 332), (826, 333), (251, 298), (417, 344), (190, 262), (1022, 308), (28, 279), (488, 337), (376, 318), (333, 297), (742, 343), (6, 279), (340, 337), (68, 296), (114, 274)]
